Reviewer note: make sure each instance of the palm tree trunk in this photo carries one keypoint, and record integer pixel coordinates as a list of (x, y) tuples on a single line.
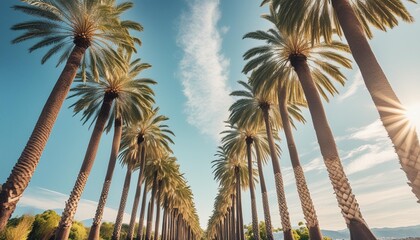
[(142, 161), (240, 227), (66, 221), (391, 111), (23, 170), (159, 194), (255, 227), (281, 196), (173, 223), (142, 209), (232, 219), (94, 230), (165, 220), (150, 216), (346, 199), (225, 229), (266, 205), (123, 201), (308, 208)]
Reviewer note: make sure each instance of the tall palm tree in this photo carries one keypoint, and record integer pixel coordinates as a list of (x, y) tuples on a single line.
[(302, 188), (76, 27), (120, 86), (353, 20), (312, 63), (253, 108), (150, 133), (231, 170), (249, 105), (161, 169), (243, 138), (218, 222), (127, 158), (142, 211), (134, 98)]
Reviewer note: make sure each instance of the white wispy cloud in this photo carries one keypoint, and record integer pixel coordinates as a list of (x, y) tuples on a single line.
[(316, 164), (376, 195), (375, 147), (44, 199), (203, 68), (373, 131), (357, 83), (370, 158)]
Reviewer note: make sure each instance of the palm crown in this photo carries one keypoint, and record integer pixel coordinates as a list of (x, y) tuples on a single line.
[(246, 110), (318, 18), (235, 140), (226, 164), (133, 95), (274, 60), (90, 24), (151, 130)]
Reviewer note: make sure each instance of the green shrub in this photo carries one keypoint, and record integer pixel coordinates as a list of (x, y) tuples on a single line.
[(18, 228)]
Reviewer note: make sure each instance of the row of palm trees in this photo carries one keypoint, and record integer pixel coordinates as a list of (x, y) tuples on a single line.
[(99, 48), (293, 69)]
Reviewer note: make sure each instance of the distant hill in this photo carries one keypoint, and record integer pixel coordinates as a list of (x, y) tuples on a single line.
[(409, 233)]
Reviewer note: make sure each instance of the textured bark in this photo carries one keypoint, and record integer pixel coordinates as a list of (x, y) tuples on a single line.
[(141, 217), (346, 199), (23, 170), (281, 197), (255, 227), (142, 161), (150, 216), (123, 201), (71, 205), (281, 201), (96, 225), (307, 205), (390, 109), (94, 230), (266, 205)]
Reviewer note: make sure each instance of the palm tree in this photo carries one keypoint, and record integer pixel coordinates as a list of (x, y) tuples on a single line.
[(142, 211), (180, 209), (127, 158), (75, 27), (247, 109), (219, 221), (303, 191), (239, 139), (150, 134), (253, 108), (134, 98), (120, 84), (161, 169), (231, 170), (294, 51), (353, 19)]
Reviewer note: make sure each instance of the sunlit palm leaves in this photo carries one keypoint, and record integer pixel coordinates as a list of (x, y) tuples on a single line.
[(319, 20), (86, 23), (151, 129), (273, 60), (133, 95)]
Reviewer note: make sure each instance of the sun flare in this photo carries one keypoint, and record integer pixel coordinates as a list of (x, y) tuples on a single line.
[(413, 115)]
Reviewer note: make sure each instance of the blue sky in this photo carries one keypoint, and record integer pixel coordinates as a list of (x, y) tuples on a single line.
[(195, 48)]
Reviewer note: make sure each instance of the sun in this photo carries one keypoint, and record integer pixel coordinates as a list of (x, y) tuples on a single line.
[(413, 115)]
